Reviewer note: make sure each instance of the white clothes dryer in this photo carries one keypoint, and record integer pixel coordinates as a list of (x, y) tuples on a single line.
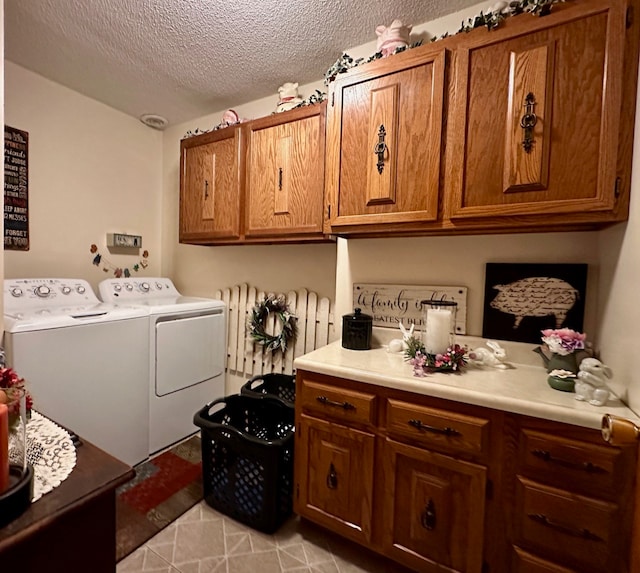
[(187, 339), (85, 362)]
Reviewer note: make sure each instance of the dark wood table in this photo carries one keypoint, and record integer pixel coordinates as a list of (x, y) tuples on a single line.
[(71, 529)]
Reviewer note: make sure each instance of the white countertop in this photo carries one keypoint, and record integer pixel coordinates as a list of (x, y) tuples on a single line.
[(522, 389)]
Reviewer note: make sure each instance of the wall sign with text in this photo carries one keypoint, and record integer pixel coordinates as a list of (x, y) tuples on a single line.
[(16, 189), (391, 304)]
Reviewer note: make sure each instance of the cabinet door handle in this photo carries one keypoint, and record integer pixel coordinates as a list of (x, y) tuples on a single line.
[(588, 467), (326, 402), (563, 528), (332, 477), (528, 122), (428, 517), (380, 148), (206, 189), (424, 427), (279, 178)]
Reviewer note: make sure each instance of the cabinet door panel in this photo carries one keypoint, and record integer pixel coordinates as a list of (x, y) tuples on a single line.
[(385, 143), (336, 477), (210, 187), (434, 509), (572, 74), (285, 175)]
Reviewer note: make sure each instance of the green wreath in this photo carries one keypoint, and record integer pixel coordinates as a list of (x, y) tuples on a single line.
[(259, 316)]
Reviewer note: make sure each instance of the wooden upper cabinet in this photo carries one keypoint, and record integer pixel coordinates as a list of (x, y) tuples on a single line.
[(534, 123), (210, 186), (258, 182), (384, 129), (285, 174)]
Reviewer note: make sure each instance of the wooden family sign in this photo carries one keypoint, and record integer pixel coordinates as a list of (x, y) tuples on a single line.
[(16, 189), (392, 304)]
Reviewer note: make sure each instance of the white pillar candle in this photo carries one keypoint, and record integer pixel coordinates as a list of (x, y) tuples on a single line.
[(437, 330)]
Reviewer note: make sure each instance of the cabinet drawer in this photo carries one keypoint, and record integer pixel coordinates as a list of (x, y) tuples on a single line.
[(341, 404), (589, 467), (567, 527), (524, 562), (432, 427)]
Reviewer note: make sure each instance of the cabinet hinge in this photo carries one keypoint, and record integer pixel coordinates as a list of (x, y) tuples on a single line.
[(489, 489), (333, 99), (616, 189), (328, 211), (629, 16)]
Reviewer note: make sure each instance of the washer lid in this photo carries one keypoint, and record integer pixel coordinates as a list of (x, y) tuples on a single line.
[(45, 318)]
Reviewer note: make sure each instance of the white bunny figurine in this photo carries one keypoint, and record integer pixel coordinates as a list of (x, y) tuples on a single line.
[(397, 345), (494, 357), (590, 385)]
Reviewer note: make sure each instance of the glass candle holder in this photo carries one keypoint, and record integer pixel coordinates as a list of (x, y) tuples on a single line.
[(439, 320), (15, 399)]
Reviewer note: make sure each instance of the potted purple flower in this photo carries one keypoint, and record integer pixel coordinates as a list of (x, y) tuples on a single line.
[(560, 356)]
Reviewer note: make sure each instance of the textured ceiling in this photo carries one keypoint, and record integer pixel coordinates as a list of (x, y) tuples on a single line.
[(183, 59)]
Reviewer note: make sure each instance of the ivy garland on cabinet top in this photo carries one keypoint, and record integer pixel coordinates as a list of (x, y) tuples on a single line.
[(259, 315), (490, 20), (107, 266)]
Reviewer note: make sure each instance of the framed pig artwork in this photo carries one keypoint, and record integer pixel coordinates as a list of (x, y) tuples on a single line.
[(521, 299)]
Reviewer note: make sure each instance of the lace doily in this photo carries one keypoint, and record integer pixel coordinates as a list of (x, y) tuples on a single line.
[(50, 451)]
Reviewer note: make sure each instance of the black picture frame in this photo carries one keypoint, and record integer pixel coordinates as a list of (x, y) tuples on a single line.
[(521, 299)]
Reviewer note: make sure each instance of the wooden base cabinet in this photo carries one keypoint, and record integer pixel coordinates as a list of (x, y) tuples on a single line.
[(434, 509), (337, 483), (439, 486)]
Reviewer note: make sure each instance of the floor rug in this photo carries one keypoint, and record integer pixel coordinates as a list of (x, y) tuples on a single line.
[(163, 489)]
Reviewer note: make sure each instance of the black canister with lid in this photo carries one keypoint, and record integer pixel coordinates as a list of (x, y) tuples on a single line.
[(356, 330)]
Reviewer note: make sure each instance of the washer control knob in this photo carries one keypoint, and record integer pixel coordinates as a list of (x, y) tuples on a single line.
[(117, 287), (159, 286), (144, 287), (16, 291), (129, 287), (42, 291), (66, 290), (80, 289)]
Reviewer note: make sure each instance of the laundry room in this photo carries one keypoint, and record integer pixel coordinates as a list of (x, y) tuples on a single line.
[(94, 170)]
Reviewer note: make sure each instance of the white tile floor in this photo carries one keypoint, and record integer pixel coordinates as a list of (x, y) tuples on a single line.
[(205, 541)]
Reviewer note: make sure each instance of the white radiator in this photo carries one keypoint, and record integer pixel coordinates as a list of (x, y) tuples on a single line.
[(244, 357)]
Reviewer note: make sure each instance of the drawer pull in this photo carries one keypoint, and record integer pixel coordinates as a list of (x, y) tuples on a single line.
[(584, 466), (563, 528), (428, 517), (332, 477), (326, 402), (446, 431)]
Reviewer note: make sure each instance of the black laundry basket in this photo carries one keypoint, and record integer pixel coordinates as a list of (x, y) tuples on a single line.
[(282, 386), (247, 459)]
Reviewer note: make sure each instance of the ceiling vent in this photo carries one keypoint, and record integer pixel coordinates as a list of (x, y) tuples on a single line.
[(153, 120)]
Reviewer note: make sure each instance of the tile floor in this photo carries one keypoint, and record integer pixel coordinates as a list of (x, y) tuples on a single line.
[(205, 541)]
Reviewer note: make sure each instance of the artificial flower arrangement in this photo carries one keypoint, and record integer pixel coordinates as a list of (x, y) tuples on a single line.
[(453, 360), (562, 363), (563, 341), (10, 386)]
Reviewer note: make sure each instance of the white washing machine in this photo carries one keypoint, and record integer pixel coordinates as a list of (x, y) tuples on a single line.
[(85, 362), (186, 353)]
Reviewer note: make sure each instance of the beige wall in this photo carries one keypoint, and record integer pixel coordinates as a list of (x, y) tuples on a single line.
[(92, 171)]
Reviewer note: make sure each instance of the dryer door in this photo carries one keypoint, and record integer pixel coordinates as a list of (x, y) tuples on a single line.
[(189, 351)]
